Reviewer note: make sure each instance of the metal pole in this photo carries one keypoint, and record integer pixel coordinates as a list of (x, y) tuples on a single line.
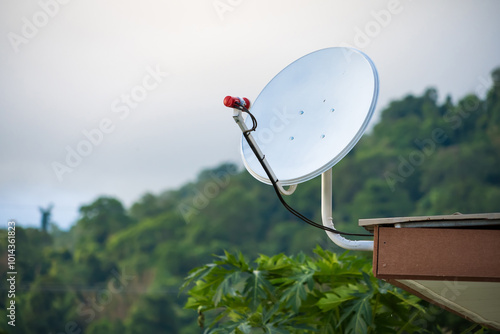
[(326, 214)]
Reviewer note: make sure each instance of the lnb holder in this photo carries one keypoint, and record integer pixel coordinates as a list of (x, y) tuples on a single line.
[(233, 102)]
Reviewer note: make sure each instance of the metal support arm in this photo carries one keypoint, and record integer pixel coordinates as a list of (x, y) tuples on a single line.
[(238, 118), (326, 214)]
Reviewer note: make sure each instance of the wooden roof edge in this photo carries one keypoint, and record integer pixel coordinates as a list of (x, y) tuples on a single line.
[(456, 216)]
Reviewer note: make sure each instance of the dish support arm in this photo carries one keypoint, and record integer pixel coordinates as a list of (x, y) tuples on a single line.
[(326, 215)]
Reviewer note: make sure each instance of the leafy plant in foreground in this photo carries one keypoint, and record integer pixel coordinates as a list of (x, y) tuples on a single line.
[(299, 294)]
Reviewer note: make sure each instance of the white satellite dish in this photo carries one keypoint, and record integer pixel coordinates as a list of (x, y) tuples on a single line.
[(307, 118), (311, 114)]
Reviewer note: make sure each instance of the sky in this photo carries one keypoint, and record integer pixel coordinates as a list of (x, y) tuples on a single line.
[(124, 97)]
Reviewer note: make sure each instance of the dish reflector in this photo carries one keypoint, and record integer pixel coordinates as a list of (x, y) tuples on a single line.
[(311, 114)]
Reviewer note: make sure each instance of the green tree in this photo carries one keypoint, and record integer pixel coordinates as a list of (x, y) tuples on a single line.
[(377, 200), (46, 307), (152, 314), (100, 220), (105, 326)]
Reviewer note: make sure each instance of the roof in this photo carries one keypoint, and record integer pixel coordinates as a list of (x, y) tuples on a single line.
[(452, 261), (455, 220)]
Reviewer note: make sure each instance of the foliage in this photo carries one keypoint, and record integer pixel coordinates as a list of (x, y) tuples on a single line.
[(329, 293)]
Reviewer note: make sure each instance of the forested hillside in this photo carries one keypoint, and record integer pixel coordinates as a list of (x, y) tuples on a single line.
[(118, 270)]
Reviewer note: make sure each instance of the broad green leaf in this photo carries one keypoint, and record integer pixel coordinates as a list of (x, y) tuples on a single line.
[(296, 293), (245, 328), (226, 287), (269, 313), (256, 288), (357, 325), (271, 329), (197, 274), (334, 299), (408, 299), (362, 313)]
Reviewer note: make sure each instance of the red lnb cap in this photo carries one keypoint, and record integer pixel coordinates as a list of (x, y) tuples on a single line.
[(231, 102)]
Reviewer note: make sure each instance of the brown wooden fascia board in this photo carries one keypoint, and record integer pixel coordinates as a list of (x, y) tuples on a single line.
[(436, 254)]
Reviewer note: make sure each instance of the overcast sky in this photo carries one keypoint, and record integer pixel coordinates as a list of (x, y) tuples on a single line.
[(150, 76)]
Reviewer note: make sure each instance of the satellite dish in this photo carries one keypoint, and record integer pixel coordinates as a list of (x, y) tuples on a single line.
[(311, 114), (304, 121)]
